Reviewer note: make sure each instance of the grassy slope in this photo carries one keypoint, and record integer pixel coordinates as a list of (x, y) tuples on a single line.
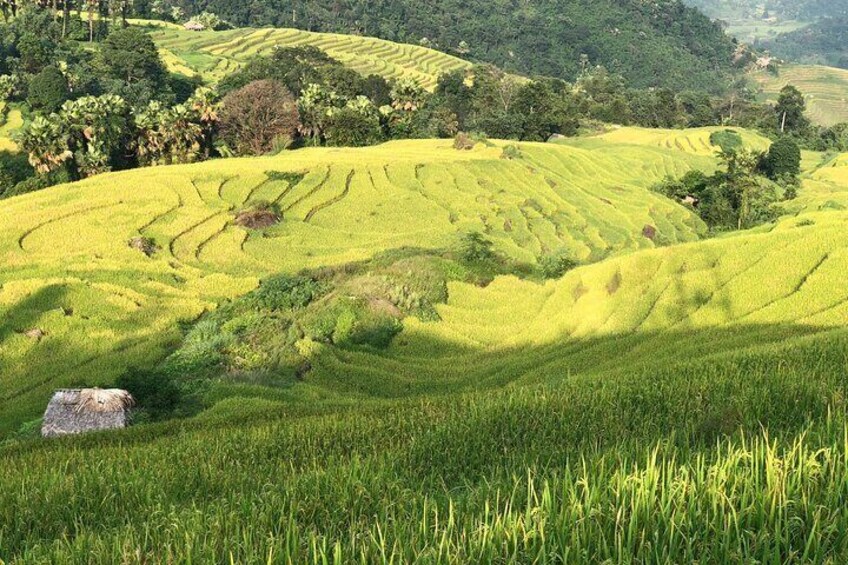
[(629, 369), (826, 89), (214, 54)]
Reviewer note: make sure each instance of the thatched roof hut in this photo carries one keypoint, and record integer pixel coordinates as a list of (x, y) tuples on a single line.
[(76, 411)]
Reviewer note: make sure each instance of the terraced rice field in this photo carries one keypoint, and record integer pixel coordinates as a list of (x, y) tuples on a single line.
[(695, 141), (665, 403), (215, 54), (826, 89), (69, 271)]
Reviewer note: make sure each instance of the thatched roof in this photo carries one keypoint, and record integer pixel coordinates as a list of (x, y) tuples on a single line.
[(74, 411)]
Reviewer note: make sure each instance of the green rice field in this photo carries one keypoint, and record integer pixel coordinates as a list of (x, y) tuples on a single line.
[(675, 399)]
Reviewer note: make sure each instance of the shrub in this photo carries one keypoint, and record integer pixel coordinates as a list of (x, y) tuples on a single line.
[(475, 248), (463, 142), (511, 152), (727, 140), (256, 115), (154, 391), (285, 292), (14, 169), (555, 265), (350, 127), (258, 215)]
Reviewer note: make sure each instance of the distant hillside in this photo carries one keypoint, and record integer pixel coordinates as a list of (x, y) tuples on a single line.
[(826, 89), (825, 42), (663, 43), (213, 54)]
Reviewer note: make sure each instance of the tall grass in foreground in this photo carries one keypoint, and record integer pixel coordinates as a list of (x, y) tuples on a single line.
[(748, 499), (647, 468)]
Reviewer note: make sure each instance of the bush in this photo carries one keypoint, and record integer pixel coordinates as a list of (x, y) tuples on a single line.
[(475, 248), (284, 292), (253, 117), (14, 169), (463, 142), (556, 265), (349, 127)]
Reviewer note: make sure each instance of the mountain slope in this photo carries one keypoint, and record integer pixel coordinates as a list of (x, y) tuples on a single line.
[(105, 306), (653, 44), (215, 54)]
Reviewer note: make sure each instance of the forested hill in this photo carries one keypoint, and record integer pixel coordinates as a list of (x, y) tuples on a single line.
[(824, 42), (659, 43)]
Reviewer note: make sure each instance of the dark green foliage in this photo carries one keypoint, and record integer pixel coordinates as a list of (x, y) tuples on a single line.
[(474, 247), (823, 42), (182, 86), (38, 182), (14, 169), (790, 111), (735, 198), (48, 90), (555, 265), (727, 140), (155, 392), (297, 67), (783, 159), (131, 66), (285, 292), (348, 127)]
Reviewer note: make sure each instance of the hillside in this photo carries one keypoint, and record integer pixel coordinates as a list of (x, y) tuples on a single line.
[(694, 392), (826, 89), (824, 43), (215, 54), (652, 44), (339, 205)]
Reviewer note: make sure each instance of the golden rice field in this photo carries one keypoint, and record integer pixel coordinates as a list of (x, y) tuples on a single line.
[(68, 269), (673, 400), (214, 54), (826, 89)]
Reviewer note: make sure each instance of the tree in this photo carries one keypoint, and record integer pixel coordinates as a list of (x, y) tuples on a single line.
[(89, 136), (48, 90), (783, 159), (129, 55), (252, 118), (790, 110)]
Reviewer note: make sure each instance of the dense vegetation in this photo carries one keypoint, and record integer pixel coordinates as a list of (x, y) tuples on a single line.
[(823, 42), (652, 44)]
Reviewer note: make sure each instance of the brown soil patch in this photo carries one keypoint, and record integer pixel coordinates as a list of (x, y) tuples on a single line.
[(144, 244), (650, 232), (614, 284), (256, 219)]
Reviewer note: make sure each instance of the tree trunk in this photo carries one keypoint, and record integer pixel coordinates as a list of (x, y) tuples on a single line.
[(66, 15), (783, 123)]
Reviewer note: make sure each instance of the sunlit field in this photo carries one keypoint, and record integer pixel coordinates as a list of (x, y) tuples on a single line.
[(676, 398)]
